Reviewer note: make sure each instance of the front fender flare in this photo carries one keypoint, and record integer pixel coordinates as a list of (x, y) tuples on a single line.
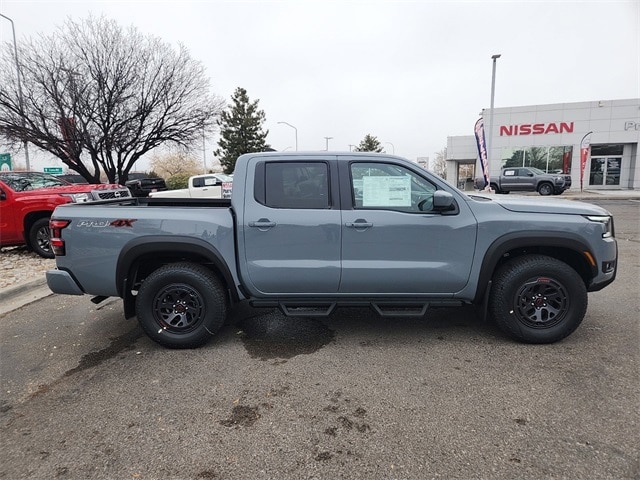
[(528, 239)]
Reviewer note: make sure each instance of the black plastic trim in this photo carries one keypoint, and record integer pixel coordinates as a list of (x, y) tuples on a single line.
[(525, 239), (173, 245)]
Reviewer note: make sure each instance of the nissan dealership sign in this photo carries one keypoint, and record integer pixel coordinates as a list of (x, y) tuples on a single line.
[(536, 128)]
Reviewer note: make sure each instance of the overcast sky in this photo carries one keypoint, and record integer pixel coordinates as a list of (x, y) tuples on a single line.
[(409, 72)]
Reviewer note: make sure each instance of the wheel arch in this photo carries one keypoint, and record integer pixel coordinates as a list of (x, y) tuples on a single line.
[(562, 246), (143, 255), (31, 218)]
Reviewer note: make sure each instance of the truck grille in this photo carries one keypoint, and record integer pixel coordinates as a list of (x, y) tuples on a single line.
[(111, 194)]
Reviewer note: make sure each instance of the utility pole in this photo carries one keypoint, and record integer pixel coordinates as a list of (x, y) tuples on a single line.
[(20, 100)]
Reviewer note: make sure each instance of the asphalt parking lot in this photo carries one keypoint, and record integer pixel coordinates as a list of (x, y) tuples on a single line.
[(86, 395)]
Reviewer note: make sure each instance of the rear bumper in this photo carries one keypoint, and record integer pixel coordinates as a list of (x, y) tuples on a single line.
[(62, 282)]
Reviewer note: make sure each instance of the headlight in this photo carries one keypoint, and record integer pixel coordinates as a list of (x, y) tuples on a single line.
[(78, 197), (559, 179), (606, 220)]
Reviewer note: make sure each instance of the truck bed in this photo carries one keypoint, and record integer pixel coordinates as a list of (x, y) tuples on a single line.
[(185, 202)]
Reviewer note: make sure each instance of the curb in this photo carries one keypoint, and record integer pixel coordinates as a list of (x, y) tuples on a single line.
[(10, 293), (12, 298)]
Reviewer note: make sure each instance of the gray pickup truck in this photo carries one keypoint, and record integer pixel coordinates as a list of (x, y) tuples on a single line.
[(527, 179), (309, 232)]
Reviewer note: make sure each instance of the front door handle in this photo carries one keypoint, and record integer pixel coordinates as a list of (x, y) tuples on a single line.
[(359, 224)]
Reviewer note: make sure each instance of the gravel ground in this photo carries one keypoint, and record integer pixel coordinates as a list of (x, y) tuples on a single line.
[(18, 265)]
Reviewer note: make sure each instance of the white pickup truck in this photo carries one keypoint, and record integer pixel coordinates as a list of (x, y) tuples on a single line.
[(210, 185)]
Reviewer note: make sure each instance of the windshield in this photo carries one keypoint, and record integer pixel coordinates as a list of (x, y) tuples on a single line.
[(537, 171), (24, 181)]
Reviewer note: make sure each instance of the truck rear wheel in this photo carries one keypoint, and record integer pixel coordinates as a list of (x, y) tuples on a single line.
[(537, 299), (181, 305), (40, 238)]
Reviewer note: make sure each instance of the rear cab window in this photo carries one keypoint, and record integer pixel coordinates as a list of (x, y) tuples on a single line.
[(297, 185)]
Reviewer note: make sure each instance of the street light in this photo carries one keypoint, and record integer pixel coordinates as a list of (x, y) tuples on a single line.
[(393, 149), (295, 130), (493, 89), (327, 139), (15, 52)]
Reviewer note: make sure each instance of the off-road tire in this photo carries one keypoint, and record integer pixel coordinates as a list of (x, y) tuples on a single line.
[(40, 238), (181, 305), (537, 299), (545, 188)]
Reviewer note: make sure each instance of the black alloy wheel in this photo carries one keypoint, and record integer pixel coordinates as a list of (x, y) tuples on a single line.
[(181, 305), (537, 299)]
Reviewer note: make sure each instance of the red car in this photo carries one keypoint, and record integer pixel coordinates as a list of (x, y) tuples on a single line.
[(27, 200)]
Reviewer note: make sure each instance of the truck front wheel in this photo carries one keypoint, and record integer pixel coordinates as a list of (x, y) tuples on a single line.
[(537, 299), (545, 189), (181, 305)]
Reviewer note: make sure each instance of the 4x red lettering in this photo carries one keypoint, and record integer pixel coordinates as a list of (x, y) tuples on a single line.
[(123, 222)]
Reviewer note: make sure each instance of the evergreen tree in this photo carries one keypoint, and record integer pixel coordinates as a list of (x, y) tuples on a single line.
[(240, 130), (369, 144)]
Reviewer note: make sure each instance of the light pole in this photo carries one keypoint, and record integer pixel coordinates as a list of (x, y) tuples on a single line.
[(493, 89), (351, 147), (327, 139), (204, 149), (296, 132), (393, 149), (15, 52)]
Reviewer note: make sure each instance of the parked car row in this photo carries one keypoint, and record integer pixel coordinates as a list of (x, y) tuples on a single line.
[(27, 200)]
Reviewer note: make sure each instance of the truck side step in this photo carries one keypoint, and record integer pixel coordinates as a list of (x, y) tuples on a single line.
[(307, 309), (400, 310)]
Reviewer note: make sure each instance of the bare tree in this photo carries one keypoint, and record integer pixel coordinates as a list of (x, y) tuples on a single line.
[(439, 166), (99, 97), (174, 163)]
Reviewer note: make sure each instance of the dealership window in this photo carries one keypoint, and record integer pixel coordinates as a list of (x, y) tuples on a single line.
[(553, 159), (606, 161)]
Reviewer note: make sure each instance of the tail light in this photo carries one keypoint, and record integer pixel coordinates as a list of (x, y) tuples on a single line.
[(57, 243)]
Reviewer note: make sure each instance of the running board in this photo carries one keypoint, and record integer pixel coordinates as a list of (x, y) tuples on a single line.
[(384, 308)]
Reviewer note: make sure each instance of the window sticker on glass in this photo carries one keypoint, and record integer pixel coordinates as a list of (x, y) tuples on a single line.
[(509, 173), (386, 191), (208, 181)]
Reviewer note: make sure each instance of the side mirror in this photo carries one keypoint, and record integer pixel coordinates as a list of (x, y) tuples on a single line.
[(443, 201), (3, 196)]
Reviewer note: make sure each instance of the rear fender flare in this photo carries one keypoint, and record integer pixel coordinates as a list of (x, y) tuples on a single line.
[(173, 246)]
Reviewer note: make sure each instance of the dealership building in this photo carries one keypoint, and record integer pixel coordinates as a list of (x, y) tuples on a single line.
[(549, 137)]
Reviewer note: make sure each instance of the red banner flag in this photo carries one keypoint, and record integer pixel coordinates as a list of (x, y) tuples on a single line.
[(585, 147)]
